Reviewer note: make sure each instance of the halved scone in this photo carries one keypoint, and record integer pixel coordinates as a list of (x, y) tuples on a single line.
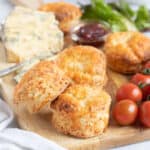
[(66, 13), (83, 64), (126, 51), (29, 33), (81, 111), (40, 85)]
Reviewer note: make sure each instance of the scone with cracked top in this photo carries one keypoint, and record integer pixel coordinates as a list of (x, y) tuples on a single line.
[(126, 51), (40, 85), (81, 111), (84, 65), (67, 13)]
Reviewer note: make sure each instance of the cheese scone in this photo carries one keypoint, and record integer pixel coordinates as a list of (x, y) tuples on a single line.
[(83, 64), (40, 85), (67, 13), (126, 51), (81, 111), (29, 33)]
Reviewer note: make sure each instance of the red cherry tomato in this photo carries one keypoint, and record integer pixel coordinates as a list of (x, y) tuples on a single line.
[(144, 113), (129, 91), (146, 68), (146, 92), (140, 79), (125, 112), (147, 65)]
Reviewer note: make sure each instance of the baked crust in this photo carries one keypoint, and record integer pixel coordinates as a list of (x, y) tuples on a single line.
[(66, 13), (84, 65), (126, 51), (40, 85), (81, 111)]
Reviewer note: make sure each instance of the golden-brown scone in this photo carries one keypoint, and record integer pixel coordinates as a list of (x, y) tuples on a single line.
[(125, 51), (81, 111), (67, 13), (40, 85), (84, 64)]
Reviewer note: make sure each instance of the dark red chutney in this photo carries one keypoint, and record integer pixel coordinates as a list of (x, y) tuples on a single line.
[(91, 34)]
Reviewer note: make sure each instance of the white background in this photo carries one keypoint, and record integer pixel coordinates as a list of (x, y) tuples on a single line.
[(5, 7)]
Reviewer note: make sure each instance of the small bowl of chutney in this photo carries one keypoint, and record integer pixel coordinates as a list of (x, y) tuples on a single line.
[(88, 33)]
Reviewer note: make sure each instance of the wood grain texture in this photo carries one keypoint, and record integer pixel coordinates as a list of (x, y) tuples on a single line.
[(113, 137)]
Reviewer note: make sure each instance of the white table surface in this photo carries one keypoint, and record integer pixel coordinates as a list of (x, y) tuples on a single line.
[(5, 8)]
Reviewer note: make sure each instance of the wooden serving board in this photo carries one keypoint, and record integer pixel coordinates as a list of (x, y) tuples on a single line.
[(113, 137)]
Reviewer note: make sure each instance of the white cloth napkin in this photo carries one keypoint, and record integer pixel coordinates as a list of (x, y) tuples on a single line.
[(17, 139)]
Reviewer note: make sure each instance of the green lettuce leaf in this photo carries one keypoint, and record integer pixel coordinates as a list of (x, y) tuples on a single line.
[(99, 10)]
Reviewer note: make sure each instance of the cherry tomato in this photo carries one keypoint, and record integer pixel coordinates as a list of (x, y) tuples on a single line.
[(125, 112), (146, 92), (140, 79), (129, 91), (147, 65), (144, 113)]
